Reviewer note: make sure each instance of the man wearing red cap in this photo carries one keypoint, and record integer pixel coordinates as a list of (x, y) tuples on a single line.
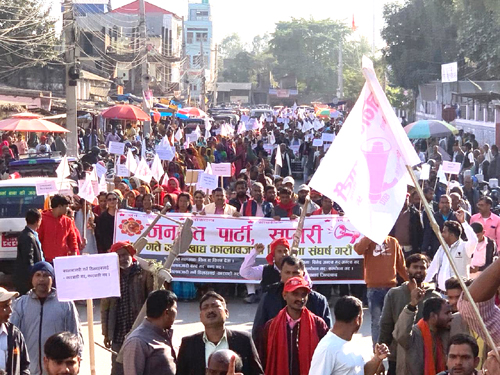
[(293, 328), (119, 313), (269, 273)]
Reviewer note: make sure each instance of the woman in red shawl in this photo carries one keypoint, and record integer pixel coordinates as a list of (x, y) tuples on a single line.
[(240, 157), (172, 186)]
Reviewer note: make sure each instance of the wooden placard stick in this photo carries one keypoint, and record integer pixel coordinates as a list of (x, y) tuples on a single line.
[(298, 232)]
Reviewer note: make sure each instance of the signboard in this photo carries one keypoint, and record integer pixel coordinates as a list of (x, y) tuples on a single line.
[(116, 148), (317, 142), (327, 137), (165, 153), (449, 72), (220, 244), (207, 181), (282, 93), (221, 169), (82, 277), (241, 99), (451, 167), (46, 187)]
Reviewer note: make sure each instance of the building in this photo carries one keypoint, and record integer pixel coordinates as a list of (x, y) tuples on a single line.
[(109, 44), (198, 41), (471, 106), (234, 92)]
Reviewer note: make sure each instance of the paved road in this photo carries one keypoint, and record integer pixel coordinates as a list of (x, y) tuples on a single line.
[(240, 317)]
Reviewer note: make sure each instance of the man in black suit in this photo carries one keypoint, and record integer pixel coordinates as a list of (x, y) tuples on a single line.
[(29, 251), (196, 349)]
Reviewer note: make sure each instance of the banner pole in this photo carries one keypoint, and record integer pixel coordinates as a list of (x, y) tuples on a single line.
[(90, 321), (444, 245)]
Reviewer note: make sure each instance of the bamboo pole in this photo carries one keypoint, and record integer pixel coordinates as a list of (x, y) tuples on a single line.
[(300, 226)]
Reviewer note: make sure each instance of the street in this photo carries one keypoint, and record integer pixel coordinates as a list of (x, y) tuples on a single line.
[(240, 318)]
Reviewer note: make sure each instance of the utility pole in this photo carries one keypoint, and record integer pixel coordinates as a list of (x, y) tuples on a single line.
[(203, 78), (144, 68), (216, 73), (71, 88), (340, 90)]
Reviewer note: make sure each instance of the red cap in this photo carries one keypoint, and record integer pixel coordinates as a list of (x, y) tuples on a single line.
[(296, 283), (280, 241), (123, 244)]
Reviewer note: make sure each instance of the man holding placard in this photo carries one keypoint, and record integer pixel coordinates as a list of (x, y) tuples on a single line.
[(39, 314), (119, 313)]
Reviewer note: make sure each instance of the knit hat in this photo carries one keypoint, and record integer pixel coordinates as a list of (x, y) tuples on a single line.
[(280, 241), (43, 266)]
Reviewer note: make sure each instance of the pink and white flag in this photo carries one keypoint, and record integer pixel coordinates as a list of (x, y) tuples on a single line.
[(157, 169), (365, 172), (143, 172)]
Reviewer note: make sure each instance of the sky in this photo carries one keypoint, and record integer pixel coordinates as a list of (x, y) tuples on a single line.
[(255, 17)]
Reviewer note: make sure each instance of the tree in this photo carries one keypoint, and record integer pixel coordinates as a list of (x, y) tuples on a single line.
[(308, 49), (420, 35), (230, 46), (27, 35)]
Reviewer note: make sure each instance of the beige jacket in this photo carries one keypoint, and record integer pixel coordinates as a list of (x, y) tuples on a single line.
[(228, 209)]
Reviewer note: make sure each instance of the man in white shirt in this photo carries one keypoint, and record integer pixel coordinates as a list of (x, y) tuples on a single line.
[(460, 250), (337, 354)]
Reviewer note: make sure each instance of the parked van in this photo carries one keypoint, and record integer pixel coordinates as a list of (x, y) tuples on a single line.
[(17, 196)]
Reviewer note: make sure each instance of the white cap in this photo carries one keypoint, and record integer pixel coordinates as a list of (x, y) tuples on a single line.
[(304, 187), (288, 179), (5, 295)]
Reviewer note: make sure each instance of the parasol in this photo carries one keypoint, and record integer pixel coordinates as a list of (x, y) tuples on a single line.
[(424, 129), (126, 112), (30, 122), (192, 112)]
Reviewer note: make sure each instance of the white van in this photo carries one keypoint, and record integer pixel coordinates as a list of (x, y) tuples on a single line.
[(17, 196)]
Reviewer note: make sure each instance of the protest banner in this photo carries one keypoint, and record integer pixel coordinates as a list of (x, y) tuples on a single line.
[(116, 148), (220, 244)]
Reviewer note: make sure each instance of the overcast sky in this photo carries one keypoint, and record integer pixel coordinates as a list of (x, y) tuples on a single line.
[(250, 18)]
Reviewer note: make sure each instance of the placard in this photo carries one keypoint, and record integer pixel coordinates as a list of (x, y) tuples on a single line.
[(192, 138), (192, 176), (295, 149), (221, 169), (116, 148), (100, 170), (82, 277), (317, 142), (425, 172), (328, 137), (244, 118), (122, 170), (165, 153), (220, 244), (207, 181), (449, 72), (46, 187), (451, 167)]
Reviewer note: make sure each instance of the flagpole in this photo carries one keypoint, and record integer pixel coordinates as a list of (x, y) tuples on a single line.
[(444, 245), (376, 89)]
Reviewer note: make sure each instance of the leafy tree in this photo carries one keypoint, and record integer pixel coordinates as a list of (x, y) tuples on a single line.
[(420, 35), (230, 46), (308, 49), (27, 35)]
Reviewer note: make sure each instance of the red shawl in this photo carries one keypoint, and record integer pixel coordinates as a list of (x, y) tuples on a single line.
[(432, 365), (287, 207), (277, 345), (173, 190)]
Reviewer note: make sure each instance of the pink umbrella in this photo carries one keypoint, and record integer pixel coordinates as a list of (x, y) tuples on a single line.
[(30, 122), (126, 112), (192, 112)]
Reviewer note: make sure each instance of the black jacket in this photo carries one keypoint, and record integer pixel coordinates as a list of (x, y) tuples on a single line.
[(28, 253), (18, 361), (430, 243), (272, 302), (191, 358), (105, 227)]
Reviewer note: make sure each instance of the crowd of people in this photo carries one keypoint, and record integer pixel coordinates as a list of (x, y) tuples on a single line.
[(419, 321)]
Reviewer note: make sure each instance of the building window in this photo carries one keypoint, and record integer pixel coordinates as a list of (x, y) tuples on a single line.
[(201, 37), (189, 38)]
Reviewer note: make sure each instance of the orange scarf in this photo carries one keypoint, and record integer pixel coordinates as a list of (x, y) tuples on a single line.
[(432, 365), (277, 344)]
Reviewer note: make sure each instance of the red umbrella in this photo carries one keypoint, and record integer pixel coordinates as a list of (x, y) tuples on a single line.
[(192, 111), (30, 122), (126, 112)]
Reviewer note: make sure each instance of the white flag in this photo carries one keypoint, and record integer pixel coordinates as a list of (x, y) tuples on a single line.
[(178, 134), (130, 163), (157, 169), (198, 131), (241, 128), (85, 190), (365, 172), (63, 170), (207, 134), (279, 159), (272, 139), (143, 172), (208, 169)]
